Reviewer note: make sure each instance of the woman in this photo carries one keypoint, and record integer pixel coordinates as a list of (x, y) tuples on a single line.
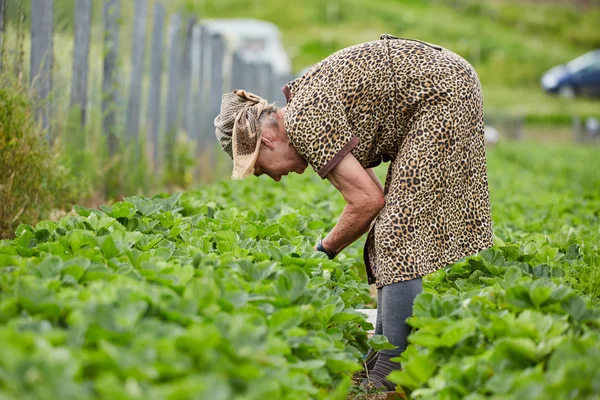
[(407, 102)]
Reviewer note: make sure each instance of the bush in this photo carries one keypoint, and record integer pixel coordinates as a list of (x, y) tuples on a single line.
[(32, 181)]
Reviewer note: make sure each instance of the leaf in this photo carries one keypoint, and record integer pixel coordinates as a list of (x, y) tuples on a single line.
[(315, 225), (120, 210), (170, 203), (49, 267), (78, 239), (575, 306), (326, 313), (380, 342), (492, 257), (226, 236), (573, 252), (308, 365), (184, 274), (426, 339), (542, 271), (96, 272), (42, 235), (459, 331), (540, 292), (109, 249), (346, 316), (148, 241), (560, 293), (416, 372), (321, 376), (132, 238), (522, 350), (285, 319), (519, 297), (144, 206), (299, 282), (84, 212), (23, 228), (339, 363), (75, 268)]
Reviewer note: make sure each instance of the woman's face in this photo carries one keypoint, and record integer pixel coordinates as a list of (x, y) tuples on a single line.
[(277, 156)]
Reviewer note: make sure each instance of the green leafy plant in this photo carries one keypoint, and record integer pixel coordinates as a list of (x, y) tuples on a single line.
[(32, 179)]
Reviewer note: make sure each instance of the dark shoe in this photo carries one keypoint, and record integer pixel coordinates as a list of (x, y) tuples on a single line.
[(368, 364), (376, 377), (371, 359)]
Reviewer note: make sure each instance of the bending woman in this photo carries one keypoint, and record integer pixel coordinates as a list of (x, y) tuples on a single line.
[(415, 105)]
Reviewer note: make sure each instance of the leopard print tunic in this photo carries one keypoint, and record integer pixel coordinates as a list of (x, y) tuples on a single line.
[(418, 106)]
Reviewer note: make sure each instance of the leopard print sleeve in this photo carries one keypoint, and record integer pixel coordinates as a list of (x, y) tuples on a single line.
[(318, 129)]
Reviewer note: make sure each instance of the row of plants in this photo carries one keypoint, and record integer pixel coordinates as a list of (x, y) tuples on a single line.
[(178, 297), (520, 320), (217, 293)]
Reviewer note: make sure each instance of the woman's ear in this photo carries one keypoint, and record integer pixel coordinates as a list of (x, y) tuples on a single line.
[(267, 142)]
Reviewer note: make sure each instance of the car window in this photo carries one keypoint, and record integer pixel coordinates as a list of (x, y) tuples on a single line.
[(593, 68), (583, 62)]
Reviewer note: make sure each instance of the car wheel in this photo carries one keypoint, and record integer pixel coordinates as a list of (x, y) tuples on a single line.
[(567, 91)]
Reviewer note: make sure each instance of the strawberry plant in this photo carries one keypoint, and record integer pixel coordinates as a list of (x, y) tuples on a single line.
[(217, 293)]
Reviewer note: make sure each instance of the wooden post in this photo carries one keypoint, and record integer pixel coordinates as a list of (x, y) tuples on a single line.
[(2, 18), (204, 85), (109, 81), (137, 70), (81, 50), (154, 95), (18, 48), (41, 58), (217, 54), (173, 86), (185, 76), (193, 122)]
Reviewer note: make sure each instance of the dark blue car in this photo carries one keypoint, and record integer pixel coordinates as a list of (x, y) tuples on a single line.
[(580, 76)]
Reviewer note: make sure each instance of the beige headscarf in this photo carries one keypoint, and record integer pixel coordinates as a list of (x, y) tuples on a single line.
[(238, 129)]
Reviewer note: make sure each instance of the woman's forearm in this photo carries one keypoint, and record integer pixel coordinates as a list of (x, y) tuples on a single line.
[(364, 200), (353, 223)]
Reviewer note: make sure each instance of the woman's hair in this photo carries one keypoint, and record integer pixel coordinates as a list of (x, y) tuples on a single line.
[(267, 117)]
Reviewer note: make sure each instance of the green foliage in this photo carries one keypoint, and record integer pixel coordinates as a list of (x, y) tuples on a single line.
[(32, 179), (520, 320), (217, 293), (510, 43), (178, 297)]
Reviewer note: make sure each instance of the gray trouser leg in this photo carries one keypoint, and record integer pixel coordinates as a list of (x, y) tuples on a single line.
[(394, 306), (378, 327)]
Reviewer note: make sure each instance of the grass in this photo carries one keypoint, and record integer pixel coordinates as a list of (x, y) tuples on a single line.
[(510, 43), (33, 180)]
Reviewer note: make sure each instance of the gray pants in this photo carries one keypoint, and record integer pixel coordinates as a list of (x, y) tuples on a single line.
[(394, 306)]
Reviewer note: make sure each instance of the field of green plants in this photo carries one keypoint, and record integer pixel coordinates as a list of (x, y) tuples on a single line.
[(511, 43), (217, 294)]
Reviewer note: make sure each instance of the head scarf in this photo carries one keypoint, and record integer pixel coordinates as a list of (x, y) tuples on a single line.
[(237, 128)]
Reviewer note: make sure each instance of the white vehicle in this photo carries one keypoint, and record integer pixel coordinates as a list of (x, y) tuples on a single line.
[(256, 40)]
